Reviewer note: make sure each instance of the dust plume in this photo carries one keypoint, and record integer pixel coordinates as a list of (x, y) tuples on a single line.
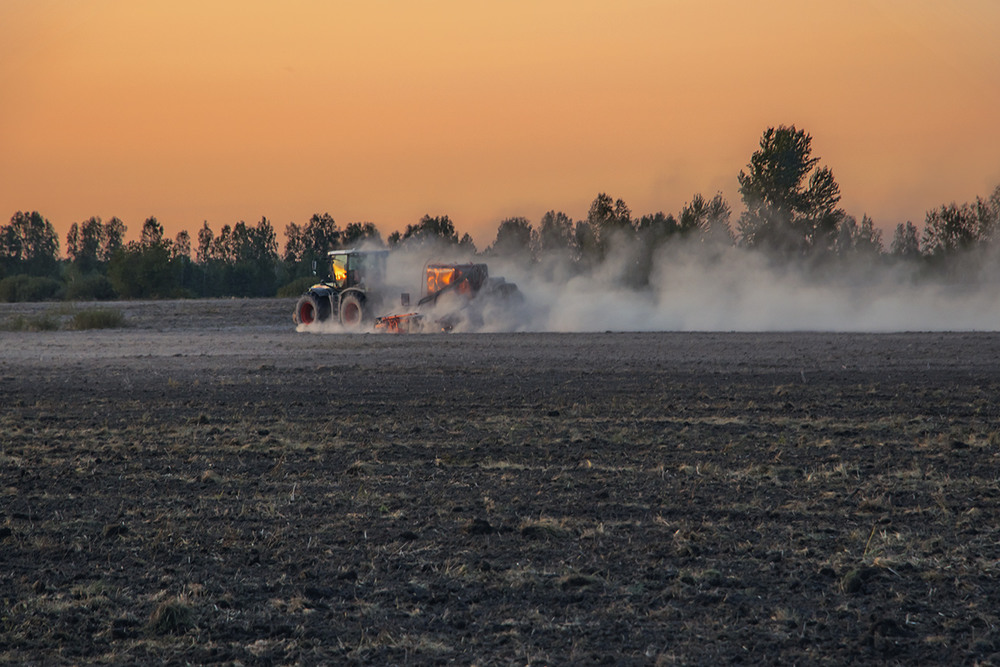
[(693, 286)]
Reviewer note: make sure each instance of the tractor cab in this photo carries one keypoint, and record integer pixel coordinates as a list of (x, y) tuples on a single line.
[(465, 279), (356, 268)]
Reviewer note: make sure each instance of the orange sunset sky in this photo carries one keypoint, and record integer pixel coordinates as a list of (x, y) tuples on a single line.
[(229, 110)]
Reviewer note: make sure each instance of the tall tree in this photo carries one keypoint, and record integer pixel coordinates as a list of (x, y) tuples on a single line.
[(467, 245), (515, 238), (182, 245), (84, 243), (708, 218), (790, 204), (252, 244), (988, 217), (692, 214), (609, 219), (653, 229), (905, 241), (555, 233), (113, 238), (29, 244), (145, 268), (950, 229), (357, 233), (222, 246), (205, 242), (587, 245), (858, 239), (714, 226), (432, 228), (320, 235), (251, 253), (152, 233)]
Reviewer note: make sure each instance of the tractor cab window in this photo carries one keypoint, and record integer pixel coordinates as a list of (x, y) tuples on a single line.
[(366, 269), (355, 269), (339, 269)]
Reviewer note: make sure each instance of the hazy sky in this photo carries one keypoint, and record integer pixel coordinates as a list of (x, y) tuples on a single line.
[(226, 110)]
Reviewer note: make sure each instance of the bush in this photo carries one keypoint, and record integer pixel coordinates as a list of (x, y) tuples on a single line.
[(29, 288), (297, 287), (97, 318), (182, 293), (89, 288)]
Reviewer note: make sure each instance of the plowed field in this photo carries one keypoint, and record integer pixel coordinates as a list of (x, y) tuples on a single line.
[(208, 486)]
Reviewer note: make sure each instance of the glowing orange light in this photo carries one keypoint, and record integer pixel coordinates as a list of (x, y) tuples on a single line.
[(339, 272)]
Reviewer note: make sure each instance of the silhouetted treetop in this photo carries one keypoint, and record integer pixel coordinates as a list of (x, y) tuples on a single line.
[(439, 228), (555, 233), (29, 244), (784, 210), (357, 233), (515, 238)]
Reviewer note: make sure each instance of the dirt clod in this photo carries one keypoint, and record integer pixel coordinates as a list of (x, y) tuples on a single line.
[(479, 526)]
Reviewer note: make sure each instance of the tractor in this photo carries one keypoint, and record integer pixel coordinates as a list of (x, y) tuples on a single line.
[(462, 290), (349, 294)]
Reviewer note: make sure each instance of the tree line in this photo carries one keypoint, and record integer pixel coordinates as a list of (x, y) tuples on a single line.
[(790, 211)]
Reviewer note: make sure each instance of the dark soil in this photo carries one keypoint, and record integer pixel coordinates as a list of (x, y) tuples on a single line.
[(208, 486)]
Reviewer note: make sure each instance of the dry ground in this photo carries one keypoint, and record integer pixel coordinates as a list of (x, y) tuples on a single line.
[(207, 486)]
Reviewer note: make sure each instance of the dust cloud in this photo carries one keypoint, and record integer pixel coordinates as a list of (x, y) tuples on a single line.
[(693, 288), (696, 287)]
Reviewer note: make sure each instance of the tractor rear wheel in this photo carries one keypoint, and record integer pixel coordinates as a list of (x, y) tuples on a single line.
[(311, 308), (352, 312)]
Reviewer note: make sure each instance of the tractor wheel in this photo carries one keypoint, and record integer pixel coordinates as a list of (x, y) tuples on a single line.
[(352, 312), (311, 308)]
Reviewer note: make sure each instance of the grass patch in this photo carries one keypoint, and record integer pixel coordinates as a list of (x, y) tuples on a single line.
[(35, 323), (62, 318), (97, 318), (171, 617)]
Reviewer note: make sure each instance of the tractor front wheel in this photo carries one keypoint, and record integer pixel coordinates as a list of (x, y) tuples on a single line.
[(310, 309), (352, 312)]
